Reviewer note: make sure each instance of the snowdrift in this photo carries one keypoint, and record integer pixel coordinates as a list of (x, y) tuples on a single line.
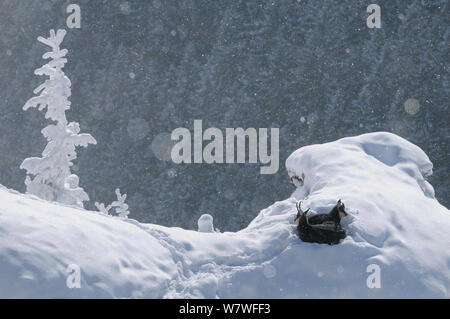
[(394, 222)]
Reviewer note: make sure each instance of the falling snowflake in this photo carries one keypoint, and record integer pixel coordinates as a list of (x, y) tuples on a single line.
[(172, 173), (125, 7), (8, 52), (340, 269), (412, 106), (312, 118), (173, 33), (132, 75), (302, 119)]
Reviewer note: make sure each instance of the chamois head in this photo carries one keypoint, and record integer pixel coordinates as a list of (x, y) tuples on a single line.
[(341, 209), (299, 212)]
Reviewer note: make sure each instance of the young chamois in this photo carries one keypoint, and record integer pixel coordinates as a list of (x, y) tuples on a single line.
[(321, 228)]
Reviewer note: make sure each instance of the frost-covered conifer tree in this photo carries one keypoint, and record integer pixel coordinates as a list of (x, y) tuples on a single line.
[(52, 179)]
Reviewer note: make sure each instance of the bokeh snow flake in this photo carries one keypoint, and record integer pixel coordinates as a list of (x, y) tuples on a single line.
[(412, 106), (269, 271), (162, 146), (137, 129), (132, 75)]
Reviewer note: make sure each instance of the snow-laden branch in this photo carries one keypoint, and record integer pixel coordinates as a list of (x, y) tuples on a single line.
[(120, 207)]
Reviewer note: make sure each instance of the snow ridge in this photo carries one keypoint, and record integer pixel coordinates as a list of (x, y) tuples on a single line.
[(394, 223)]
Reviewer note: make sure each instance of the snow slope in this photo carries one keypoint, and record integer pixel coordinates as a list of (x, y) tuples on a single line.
[(394, 222)]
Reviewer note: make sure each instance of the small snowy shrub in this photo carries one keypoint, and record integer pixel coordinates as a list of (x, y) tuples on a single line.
[(121, 209), (205, 224), (53, 179)]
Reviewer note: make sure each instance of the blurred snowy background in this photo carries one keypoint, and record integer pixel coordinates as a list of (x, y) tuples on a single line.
[(140, 69)]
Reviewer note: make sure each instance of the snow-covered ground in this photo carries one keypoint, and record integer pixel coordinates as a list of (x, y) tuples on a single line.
[(394, 223)]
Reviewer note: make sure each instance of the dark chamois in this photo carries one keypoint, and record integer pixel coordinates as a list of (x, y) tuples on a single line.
[(337, 213), (327, 231)]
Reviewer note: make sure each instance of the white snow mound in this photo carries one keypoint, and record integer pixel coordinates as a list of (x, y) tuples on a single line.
[(394, 223), (205, 224)]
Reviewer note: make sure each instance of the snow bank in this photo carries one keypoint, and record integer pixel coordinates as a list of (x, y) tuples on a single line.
[(395, 222)]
